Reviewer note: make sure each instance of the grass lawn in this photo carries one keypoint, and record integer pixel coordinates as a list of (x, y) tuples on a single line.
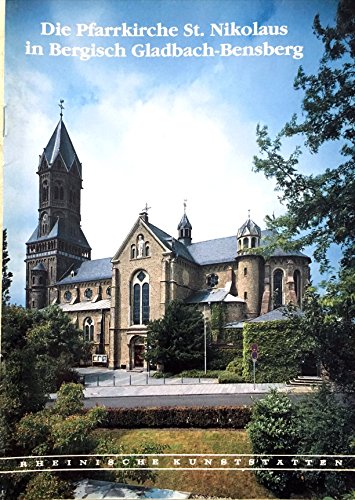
[(232, 484)]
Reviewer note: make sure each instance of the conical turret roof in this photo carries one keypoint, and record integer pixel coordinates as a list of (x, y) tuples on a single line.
[(249, 228), (184, 223), (61, 144)]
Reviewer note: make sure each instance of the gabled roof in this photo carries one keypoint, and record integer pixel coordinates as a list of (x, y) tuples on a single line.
[(89, 270), (60, 145), (58, 231)]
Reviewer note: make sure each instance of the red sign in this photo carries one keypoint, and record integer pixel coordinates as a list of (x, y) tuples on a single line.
[(254, 347)]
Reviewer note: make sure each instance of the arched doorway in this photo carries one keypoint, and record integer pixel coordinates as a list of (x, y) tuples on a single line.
[(137, 350)]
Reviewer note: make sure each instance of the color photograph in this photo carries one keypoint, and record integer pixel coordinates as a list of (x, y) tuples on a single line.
[(178, 250)]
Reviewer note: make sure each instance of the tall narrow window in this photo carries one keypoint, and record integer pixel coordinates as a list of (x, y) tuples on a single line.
[(89, 329), (278, 291), (245, 271), (253, 242), (297, 281), (245, 243), (140, 298)]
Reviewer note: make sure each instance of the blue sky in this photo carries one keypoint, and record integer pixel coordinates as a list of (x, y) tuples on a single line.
[(155, 130)]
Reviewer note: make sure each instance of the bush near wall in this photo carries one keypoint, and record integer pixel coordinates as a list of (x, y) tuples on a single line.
[(220, 355), (233, 336), (282, 346), (181, 417)]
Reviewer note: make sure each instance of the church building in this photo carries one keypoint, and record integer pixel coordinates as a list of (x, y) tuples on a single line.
[(113, 299)]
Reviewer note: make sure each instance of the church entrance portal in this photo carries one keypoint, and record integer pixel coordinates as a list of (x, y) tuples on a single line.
[(137, 348)]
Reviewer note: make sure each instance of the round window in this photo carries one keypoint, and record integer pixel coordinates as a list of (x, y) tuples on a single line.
[(88, 293), (67, 296)]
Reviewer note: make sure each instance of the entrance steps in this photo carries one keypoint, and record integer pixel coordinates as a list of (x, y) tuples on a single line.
[(302, 380)]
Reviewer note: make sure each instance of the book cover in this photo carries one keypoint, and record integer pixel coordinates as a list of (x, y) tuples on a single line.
[(129, 183)]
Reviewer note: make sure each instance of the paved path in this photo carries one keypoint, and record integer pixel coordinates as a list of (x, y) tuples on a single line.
[(130, 384)]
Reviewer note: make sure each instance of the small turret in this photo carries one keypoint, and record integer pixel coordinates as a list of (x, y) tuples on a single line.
[(248, 235), (185, 229)]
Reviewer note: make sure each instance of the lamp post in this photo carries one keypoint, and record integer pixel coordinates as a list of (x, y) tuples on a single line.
[(205, 335)]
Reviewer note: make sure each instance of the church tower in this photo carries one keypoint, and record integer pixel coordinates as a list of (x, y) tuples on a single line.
[(58, 241)]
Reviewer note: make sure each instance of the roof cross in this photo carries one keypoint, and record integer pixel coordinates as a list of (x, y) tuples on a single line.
[(61, 107), (146, 208)]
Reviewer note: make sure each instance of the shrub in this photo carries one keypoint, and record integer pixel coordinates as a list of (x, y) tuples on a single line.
[(230, 378), (200, 374), (273, 430), (219, 357), (46, 486), (236, 366)]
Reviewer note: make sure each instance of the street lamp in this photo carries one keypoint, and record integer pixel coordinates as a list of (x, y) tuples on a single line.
[(205, 333)]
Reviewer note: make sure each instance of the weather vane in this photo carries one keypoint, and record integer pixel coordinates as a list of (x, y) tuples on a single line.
[(61, 107)]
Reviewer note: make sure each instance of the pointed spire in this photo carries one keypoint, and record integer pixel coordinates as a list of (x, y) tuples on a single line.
[(61, 145)]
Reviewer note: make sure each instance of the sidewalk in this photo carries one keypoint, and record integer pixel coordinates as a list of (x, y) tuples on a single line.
[(101, 382)]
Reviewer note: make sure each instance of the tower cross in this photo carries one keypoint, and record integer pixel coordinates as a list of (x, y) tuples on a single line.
[(185, 202), (146, 208)]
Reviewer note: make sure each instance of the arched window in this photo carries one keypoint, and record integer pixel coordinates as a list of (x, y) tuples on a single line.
[(61, 193), (297, 281), (277, 288), (45, 191), (133, 251), (88, 330), (245, 243), (140, 298), (253, 242), (245, 271), (147, 250)]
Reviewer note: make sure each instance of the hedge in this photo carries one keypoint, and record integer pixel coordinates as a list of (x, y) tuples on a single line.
[(282, 346), (230, 378), (166, 417)]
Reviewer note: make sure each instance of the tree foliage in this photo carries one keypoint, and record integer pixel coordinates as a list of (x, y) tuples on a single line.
[(317, 425), (320, 208), (176, 340), (6, 275)]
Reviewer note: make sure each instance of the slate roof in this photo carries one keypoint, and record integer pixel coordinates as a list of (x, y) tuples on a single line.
[(217, 295), (171, 243), (214, 251), (58, 231), (274, 315), (86, 306), (249, 228), (89, 270), (60, 143), (184, 223)]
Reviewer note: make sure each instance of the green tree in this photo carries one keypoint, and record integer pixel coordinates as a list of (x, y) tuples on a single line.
[(320, 208), (317, 425), (6, 275), (176, 341), (273, 430)]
